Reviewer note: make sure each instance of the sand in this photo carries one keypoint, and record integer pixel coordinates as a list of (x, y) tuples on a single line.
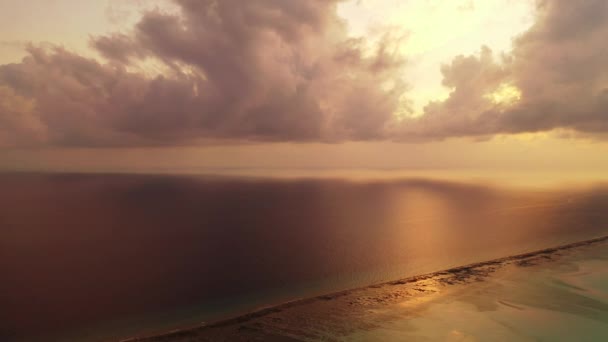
[(557, 294)]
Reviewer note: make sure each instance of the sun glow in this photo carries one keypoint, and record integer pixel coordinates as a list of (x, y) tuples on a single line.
[(505, 94), (434, 31)]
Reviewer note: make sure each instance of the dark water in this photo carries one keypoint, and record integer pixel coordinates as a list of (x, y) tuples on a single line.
[(94, 257)]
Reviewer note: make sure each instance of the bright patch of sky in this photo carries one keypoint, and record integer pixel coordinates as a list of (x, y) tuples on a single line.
[(436, 31)]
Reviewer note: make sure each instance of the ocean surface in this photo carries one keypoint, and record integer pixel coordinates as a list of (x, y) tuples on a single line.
[(556, 294), (89, 257)]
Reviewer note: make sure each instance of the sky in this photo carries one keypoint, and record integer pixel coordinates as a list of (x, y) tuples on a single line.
[(175, 85)]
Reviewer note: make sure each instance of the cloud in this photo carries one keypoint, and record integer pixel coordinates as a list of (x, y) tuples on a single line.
[(468, 111), (559, 68), (266, 70), (17, 122), (274, 70)]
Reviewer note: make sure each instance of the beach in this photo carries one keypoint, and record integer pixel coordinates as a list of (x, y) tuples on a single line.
[(556, 294)]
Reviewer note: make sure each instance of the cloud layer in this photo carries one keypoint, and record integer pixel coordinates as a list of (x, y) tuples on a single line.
[(274, 70), (559, 66)]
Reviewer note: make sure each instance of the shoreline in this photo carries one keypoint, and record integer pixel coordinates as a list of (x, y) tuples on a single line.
[(453, 276)]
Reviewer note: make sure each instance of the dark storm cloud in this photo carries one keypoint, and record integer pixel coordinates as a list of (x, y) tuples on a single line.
[(274, 70)]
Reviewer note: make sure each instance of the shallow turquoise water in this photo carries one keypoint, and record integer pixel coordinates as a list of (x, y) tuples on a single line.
[(562, 301)]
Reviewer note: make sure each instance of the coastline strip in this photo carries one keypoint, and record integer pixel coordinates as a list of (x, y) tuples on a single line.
[(456, 275)]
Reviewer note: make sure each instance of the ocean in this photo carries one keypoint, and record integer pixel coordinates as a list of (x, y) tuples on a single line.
[(92, 257)]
